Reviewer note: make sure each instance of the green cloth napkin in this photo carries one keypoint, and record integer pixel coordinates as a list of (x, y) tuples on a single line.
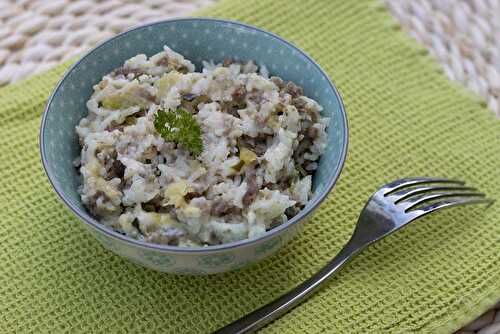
[(406, 119)]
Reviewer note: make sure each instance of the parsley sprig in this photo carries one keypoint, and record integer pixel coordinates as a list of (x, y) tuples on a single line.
[(181, 127)]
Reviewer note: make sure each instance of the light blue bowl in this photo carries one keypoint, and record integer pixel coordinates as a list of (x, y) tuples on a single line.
[(197, 39)]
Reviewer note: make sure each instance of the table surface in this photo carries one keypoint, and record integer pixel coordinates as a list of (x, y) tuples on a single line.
[(464, 37)]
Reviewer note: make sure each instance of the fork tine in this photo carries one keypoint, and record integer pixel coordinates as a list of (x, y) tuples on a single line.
[(407, 193), (412, 203), (400, 184), (451, 203)]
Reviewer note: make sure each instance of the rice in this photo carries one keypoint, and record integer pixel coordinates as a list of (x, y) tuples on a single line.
[(261, 142)]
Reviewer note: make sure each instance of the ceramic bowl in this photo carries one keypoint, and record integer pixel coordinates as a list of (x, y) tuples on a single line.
[(197, 39)]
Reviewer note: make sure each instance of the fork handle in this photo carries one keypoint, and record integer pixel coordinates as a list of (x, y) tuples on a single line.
[(267, 313)]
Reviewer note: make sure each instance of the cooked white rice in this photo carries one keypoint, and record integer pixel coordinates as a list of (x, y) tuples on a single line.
[(261, 141)]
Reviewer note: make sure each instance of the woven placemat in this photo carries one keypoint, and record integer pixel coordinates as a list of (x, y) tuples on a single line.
[(57, 30)]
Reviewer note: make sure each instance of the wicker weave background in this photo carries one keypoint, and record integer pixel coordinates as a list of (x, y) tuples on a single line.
[(464, 37)]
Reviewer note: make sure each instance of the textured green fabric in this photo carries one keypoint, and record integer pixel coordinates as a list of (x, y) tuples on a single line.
[(405, 119)]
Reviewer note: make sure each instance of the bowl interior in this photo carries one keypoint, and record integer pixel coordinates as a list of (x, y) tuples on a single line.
[(197, 40)]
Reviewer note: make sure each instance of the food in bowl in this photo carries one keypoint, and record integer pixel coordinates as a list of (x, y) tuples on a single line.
[(177, 157)]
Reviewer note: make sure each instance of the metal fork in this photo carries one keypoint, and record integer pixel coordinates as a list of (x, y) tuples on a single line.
[(390, 208)]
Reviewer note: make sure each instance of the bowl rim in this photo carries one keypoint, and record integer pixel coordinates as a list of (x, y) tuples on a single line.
[(88, 219)]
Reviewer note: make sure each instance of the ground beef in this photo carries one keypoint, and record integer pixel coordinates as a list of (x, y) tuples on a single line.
[(182, 69), (99, 211), (154, 204), (312, 132), (258, 145), (278, 82), (190, 102), (252, 190), (312, 166), (282, 183), (298, 156), (115, 126), (135, 223), (117, 170), (291, 211), (314, 114), (274, 223), (299, 103), (191, 195), (149, 207), (163, 61), (128, 121), (255, 96), (227, 62), (92, 206), (168, 236), (237, 102), (212, 239), (140, 113), (280, 109), (293, 89), (239, 94), (304, 145), (309, 134), (229, 108)]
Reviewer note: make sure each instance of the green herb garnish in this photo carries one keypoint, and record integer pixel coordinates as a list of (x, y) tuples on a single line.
[(181, 127)]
